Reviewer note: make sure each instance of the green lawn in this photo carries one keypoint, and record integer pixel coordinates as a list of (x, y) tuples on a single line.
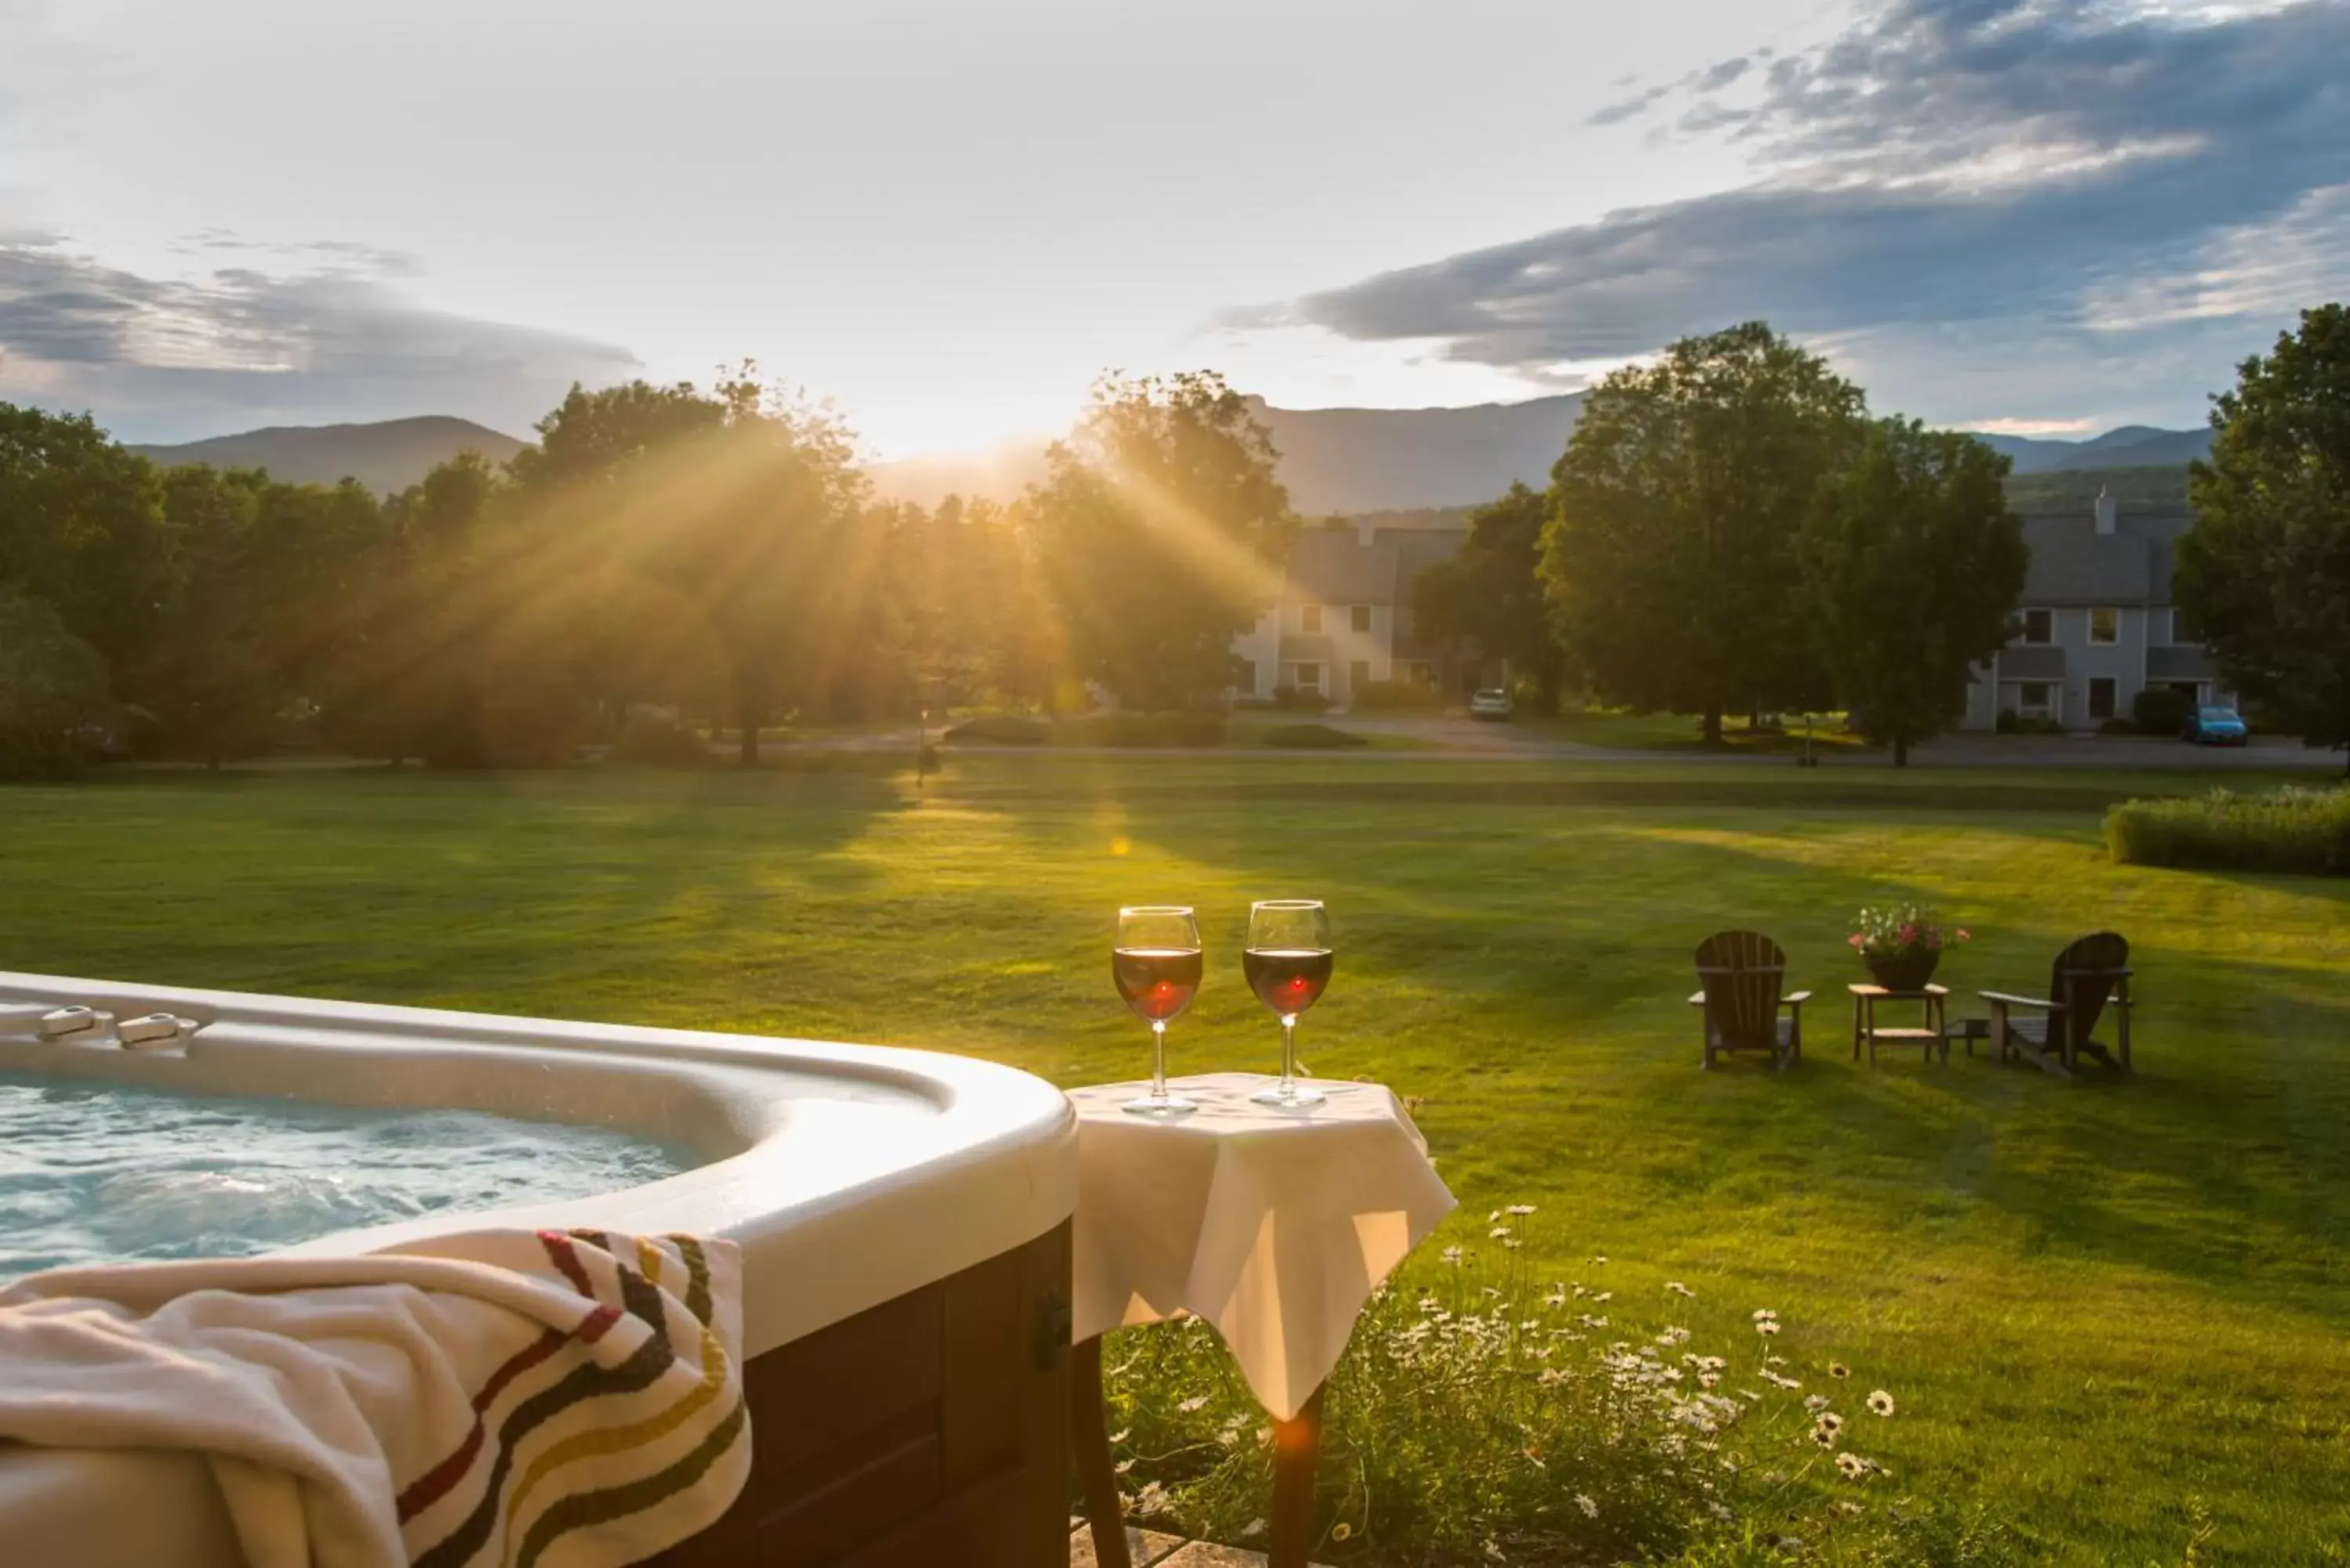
[(2097, 1301)]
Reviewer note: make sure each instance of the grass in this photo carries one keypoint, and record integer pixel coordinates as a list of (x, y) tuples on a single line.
[(2109, 1307)]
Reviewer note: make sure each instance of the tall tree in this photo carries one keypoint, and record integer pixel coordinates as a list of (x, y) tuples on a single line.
[(53, 686), (1670, 559), (206, 681), (1490, 594), (1156, 528), (2265, 570), (1911, 564), (82, 529)]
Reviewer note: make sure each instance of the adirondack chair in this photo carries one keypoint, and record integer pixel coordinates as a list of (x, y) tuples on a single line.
[(1740, 974), (2091, 972)]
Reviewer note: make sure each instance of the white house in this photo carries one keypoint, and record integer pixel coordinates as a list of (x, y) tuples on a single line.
[(2096, 625), (1344, 616)]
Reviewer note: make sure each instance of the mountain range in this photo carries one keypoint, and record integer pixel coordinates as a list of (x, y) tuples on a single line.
[(1334, 461)]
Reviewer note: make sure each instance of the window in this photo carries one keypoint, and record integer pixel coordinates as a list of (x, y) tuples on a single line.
[(1309, 678), (1358, 618), (1309, 617), (2035, 626), (1358, 674), (2102, 692), (2105, 626), (2033, 699)]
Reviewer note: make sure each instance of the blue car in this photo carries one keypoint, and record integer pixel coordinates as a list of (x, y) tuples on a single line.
[(2213, 725)]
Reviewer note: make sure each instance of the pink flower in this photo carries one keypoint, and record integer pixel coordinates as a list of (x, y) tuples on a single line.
[(1909, 934), (1963, 935), (1856, 939)]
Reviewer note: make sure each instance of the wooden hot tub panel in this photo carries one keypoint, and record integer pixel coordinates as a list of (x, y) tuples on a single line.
[(930, 1431)]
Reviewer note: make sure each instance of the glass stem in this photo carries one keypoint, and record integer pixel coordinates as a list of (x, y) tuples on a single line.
[(1288, 1055), (1159, 1060)]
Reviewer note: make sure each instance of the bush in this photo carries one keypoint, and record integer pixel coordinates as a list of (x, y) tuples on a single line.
[(2118, 726), (1481, 1415), (650, 742), (2159, 710), (1383, 696), (1004, 730), (2290, 829), (1290, 699), (1311, 737), (2006, 721)]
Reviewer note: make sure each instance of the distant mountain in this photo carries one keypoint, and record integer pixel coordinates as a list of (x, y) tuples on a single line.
[(1344, 461), (2130, 446), (2071, 492), (387, 457)]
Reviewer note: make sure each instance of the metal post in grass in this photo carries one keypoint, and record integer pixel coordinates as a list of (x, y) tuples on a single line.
[(921, 746)]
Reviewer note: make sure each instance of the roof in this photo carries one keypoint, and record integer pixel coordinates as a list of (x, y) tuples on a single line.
[(2179, 664), (2073, 563), (1330, 567), (2032, 663)]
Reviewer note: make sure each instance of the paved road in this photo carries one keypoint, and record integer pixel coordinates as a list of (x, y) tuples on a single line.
[(1453, 738)]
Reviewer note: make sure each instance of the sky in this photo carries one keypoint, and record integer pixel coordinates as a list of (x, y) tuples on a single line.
[(2043, 217)]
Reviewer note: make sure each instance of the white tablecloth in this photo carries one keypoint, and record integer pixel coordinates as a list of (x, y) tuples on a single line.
[(1274, 1225)]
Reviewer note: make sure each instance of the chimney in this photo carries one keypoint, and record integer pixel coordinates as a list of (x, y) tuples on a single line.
[(2107, 510)]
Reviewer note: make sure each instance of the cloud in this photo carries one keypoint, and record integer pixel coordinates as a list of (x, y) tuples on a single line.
[(161, 358), (2074, 182)]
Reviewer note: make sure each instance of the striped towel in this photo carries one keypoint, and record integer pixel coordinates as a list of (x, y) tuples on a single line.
[(511, 1398)]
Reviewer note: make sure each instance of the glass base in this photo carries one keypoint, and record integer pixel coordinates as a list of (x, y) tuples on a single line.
[(1172, 1106), (1294, 1096)]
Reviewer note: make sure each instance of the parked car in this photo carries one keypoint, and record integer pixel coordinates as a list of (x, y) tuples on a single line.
[(1489, 702), (2213, 725)]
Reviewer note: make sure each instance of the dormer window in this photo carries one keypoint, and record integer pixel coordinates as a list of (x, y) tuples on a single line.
[(1358, 618), (2105, 625), (1309, 617)]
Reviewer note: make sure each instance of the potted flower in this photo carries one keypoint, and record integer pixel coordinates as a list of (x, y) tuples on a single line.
[(1902, 943)]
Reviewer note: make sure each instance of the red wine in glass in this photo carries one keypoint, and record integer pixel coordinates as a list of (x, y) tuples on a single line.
[(1288, 979), (1157, 983), (1288, 961), (1156, 963)]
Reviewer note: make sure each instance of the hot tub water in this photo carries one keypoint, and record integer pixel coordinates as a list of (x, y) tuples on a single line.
[(98, 1174)]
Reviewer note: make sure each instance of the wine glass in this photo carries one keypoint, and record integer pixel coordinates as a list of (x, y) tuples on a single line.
[(1288, 961), (1157, 965)]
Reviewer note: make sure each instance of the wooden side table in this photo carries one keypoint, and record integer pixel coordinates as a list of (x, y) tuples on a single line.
[(1272, 1225), (1934, 1035)]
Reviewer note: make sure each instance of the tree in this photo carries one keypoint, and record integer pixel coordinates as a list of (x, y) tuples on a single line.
[(81, 529), (1155, 529), (52, 688), (1911, 563), (1670, 559), (210, 691), (1490, 594), (2265, 570)]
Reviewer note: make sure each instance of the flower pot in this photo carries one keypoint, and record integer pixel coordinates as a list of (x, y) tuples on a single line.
[(1903, 972)]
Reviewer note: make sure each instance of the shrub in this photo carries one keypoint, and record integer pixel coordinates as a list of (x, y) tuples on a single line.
[(2290, 829), (2118, 725), (651, 742), (1382, 696), (2006, 721), (1290, 699), (1313, 737), (1005, 729), (1481, 1415), (2159, 710)]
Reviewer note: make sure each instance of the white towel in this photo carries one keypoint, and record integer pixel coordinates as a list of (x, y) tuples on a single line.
[(525, 1399)]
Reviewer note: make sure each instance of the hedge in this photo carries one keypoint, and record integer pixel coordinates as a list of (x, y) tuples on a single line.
[(2292, 829)]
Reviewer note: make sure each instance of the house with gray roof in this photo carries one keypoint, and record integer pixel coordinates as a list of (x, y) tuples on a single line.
[(2096, 625), (1343, 618)]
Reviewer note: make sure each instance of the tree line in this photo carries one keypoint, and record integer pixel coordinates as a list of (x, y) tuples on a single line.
[(714, 550), (1728, 531)]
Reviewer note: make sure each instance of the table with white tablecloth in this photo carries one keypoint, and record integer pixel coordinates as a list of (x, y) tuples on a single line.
[(1273, 1224)]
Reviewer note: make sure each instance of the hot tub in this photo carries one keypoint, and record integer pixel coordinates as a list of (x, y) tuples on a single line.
[(904, 1221)]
